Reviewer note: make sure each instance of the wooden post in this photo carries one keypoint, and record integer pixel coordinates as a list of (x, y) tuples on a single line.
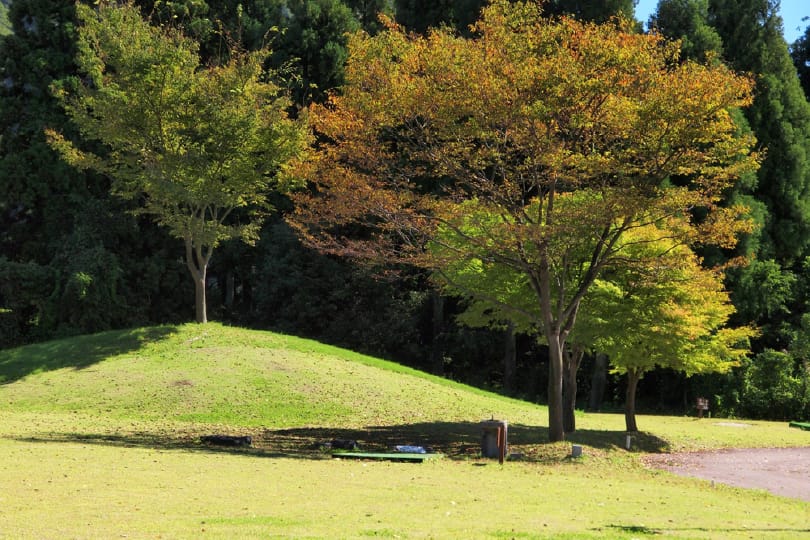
[(501, 443)]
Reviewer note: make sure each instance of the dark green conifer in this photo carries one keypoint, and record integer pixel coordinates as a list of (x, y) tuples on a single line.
[(687, 20), (751, 31), (75, 260)]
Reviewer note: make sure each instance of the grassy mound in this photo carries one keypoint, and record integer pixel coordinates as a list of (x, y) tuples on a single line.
[(217, 374), (289, 393)]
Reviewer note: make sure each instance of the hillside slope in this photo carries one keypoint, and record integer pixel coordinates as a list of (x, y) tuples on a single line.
[(238, 377)]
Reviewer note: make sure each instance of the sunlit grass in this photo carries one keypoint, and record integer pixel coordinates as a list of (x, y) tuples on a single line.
[(100, 439)]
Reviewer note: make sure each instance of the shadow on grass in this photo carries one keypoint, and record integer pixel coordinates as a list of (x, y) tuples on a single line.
[(76, 352), (463, 439), (457, 440), (614, 440), (152, 441), (649, 531)]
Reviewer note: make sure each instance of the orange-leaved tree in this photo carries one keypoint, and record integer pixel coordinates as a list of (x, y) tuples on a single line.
[(442, 149)]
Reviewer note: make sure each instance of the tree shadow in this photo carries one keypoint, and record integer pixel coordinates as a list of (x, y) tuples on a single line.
[(640, 441), (462, 439), (636, 529), (456, 440), (76, 352), (151, 441), (649, 531)]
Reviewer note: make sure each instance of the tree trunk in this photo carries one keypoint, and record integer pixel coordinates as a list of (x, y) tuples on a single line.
[(573, 359), (633, 377), (556, 429), (509, 359), (199, 298), (197, 263), (598, 382)]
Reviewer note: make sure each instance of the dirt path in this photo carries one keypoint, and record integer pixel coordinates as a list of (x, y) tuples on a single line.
[(782, 471)]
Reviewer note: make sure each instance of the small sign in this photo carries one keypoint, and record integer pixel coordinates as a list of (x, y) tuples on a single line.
[(701, 404)]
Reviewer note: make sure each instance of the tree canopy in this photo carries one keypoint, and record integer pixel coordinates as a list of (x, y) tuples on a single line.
[(598, 12), (202, 147), (55, 221), (559, 110), (800, 53)]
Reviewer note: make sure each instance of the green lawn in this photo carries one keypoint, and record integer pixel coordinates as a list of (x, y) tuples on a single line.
[(100, 439)]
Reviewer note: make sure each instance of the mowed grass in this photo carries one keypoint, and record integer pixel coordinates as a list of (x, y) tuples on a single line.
[(100, 438)]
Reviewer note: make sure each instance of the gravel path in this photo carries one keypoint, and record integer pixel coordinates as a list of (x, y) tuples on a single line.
[(782, 471)]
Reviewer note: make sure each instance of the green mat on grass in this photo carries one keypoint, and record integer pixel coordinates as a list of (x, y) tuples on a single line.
[(392, 456)]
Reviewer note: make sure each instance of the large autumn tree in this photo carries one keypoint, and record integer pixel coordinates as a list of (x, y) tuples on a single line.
[(472, 143), (201, 146)]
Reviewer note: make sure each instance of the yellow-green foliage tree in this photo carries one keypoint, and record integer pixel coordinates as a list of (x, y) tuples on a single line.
[(660, 308), (654, 305), (197, 144), (431, 132)]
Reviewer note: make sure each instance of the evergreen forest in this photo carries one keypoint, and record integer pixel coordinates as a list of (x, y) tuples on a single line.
[(92, 240)]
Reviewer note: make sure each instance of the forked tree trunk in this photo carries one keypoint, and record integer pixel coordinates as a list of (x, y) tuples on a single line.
[(573, 359), (633, 376), (197, 263), (557, 322)]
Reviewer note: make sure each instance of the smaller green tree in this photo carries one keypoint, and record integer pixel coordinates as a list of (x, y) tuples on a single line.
[(201, 147), (661, 309)]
